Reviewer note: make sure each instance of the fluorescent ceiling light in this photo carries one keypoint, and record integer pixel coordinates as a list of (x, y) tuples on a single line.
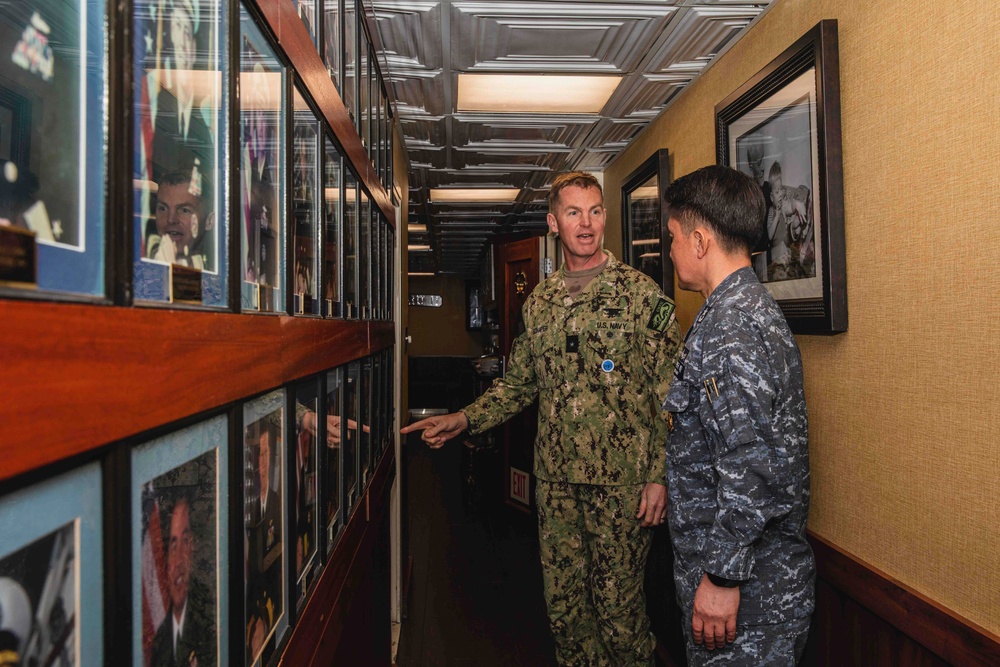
[(474, 194), (649, 254), (534, 93), (419, 273), (416, 229), (418, 248), (645, 192), (646, 242)]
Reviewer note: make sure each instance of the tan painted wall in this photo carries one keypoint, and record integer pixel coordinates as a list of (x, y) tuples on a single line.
[(904, 408), (440, 332)]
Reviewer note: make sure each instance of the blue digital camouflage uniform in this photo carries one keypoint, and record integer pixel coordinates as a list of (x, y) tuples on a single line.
[(738, 468), (599, 364)]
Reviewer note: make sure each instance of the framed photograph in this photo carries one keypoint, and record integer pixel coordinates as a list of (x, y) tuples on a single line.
[(306, 10), (265, 587), (332, 476), (53, 132), (51, 572), (305, 207), (364, 254), (262, 157), (783, 128), (350, 236), (332, 224), (349, 445), (305, 487), (332, 56), (365, 422), (644, 231), (349, 91), (180, 547), (474, 311), (180, 228), (364, 83)]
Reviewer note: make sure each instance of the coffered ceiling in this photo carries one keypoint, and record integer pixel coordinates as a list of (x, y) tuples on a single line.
[(657, 47)]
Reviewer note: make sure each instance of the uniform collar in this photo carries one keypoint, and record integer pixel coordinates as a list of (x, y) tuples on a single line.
[(554, 289), (732, 282)]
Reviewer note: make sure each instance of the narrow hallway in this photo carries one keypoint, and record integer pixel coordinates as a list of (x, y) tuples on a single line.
[(476, 589)]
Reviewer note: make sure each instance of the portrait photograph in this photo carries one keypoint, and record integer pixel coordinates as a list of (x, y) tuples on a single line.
[(262, 102), (52, 161), (178, 137), (179, 544), (51, 583), (331, 229), (305, 207), (264, 526), (305, 492), (332, 481)]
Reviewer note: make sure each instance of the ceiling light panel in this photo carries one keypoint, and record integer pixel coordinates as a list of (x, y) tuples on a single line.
[(474, 194), (528, 93)]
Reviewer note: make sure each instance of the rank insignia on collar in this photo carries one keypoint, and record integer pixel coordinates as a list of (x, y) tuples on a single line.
[(660, 318)]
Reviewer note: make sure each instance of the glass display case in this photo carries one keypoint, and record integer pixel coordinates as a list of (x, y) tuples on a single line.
[(350, 257), (644, 231), (365, 420), (179, 175), (332, 40), (332, 218), (364, 85), (349, 456), (349, 91), (305, 207), (364, 254), (262, 157), (305, 487), (336, 434), (53, 139), (264, 500), (306, 9)]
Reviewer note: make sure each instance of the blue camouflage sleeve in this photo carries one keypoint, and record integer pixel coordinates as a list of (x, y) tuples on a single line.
[(751, 471)]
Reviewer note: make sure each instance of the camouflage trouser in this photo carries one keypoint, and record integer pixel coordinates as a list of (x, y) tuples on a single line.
[(593, 555), (776, 645)]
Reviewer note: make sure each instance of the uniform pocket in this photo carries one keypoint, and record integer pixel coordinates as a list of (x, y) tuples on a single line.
[(608, 356), (686, 443)]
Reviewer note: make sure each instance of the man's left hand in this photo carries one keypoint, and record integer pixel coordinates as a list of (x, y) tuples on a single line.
[(652, 505), (713, 621)]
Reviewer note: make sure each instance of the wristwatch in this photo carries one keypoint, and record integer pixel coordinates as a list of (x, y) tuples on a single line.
[(722, 581)]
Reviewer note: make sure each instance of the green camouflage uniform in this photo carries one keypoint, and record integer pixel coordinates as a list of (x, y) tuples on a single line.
[(600, 365)]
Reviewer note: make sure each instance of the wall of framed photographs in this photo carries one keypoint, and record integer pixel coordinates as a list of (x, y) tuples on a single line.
[(197, 259)]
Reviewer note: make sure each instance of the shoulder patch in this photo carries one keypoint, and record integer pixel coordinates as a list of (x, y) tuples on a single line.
[(660, 318)]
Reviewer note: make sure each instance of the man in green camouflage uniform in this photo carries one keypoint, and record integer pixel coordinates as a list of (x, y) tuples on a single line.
[(598, 351)]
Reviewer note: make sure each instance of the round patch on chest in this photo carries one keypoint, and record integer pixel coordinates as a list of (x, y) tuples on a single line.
[(607, 365)]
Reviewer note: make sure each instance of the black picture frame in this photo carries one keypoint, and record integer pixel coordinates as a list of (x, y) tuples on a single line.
[(802, 257), (474, 311), (647, 212)]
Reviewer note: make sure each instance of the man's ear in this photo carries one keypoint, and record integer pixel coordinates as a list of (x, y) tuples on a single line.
[(553, 227), (210, 222)]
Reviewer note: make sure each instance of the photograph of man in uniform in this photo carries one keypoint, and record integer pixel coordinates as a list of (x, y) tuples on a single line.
[(264, 532), (187, 635), (184, 223)]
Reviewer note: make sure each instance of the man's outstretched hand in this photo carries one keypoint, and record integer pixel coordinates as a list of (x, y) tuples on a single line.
[(438, 430)]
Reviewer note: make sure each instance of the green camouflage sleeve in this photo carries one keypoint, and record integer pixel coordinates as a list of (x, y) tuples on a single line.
[(509, 394), (661, 348)]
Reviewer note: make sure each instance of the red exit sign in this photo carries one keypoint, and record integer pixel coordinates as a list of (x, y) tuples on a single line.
[(519, 485)]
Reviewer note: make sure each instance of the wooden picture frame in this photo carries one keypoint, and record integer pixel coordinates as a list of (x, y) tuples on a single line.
[(645, 242), (782, 127)]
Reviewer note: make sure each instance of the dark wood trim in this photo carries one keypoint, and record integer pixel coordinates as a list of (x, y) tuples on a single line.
[(81, 377), (315, 638), (657, 164), (926, 622)]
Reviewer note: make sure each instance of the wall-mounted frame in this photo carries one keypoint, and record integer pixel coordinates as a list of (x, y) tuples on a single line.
[(474, 311), (782, 127), (307, 134), (333, 214), (304, 487), (645, 242), (53, 160), (180, 545), (51, 570), (332, 469), (264, 497)]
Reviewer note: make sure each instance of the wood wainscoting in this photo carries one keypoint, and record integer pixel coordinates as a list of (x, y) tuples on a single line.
[(865, 618)]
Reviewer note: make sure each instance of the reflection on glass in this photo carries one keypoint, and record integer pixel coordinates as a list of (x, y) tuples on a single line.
[(374, 107), (305, 492), (263, 522), (392, 272), (305, 207), (364, 92), (644, 226), (331, 230), (178, 174), (350, 245), (349, 455), (331, 40), (349, 91), (364, 410), (306, 10), (378, 262), (261, 157), (364, 255), (335, 434), (378, 409)]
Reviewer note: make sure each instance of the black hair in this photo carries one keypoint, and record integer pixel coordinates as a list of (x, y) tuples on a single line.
[(726, 199)]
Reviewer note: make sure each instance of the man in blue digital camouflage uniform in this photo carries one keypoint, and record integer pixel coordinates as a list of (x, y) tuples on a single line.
[(598, 351), (737, 459)]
